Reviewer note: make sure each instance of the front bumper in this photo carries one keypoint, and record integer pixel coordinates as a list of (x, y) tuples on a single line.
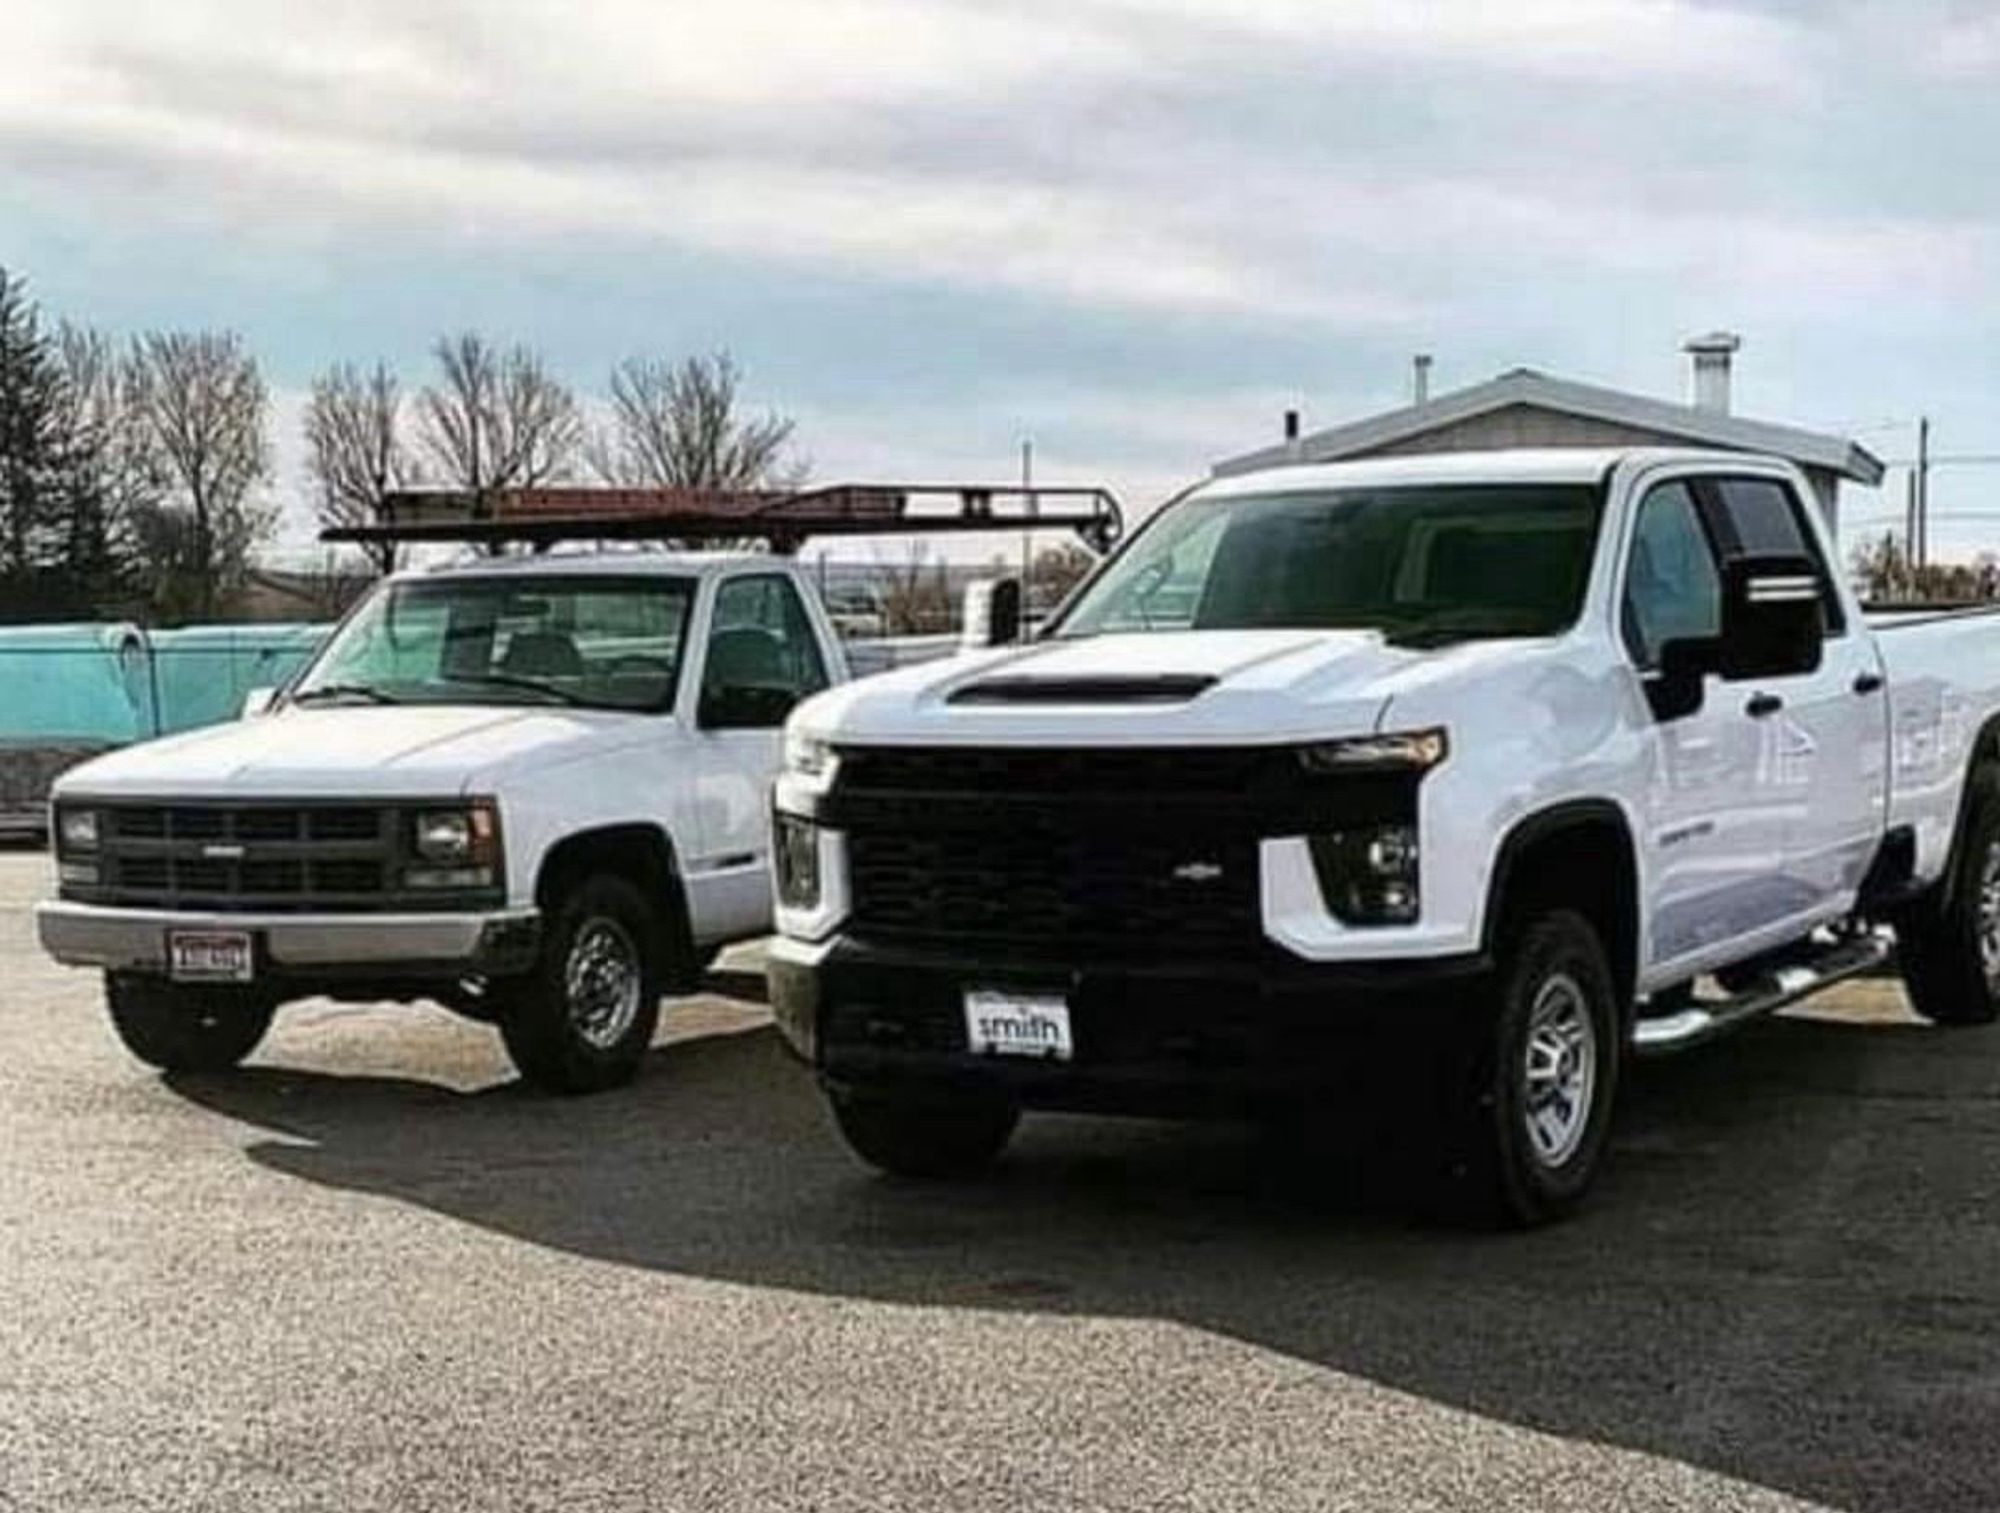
[(1150, 1037), (495, 943)]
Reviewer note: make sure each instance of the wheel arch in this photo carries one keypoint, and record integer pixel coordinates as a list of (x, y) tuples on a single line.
[(643, 854), (1579, 853)]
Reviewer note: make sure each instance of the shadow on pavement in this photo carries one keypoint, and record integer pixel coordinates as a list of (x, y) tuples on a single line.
[(1788, 1277)]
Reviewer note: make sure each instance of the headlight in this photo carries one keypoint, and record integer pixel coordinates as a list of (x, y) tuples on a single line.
[(808, 756), (795, 861), (1408, 750), (456, 836), (444, 836), (77, 829), (1369, 876)]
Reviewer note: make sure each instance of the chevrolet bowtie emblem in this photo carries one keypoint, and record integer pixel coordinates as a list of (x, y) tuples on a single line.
[(1197, 872)]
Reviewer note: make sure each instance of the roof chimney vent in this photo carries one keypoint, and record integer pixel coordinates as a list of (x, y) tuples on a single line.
[(1712, 355), (1420, 378)]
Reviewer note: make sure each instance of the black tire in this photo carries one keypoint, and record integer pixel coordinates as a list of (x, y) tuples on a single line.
[(582, 1018), (1948, 946), (180, 1028), (924, 1139), (1553, 999)]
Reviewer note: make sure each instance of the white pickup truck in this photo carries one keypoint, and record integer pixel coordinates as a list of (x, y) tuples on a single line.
[(535, 789), (1442, 782)]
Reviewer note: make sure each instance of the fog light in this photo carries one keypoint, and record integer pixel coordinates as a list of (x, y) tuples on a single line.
[(1369, 877), (795, 861), (80, 874)]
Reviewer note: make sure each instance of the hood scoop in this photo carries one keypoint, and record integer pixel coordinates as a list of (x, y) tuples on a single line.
[(1148, 688)]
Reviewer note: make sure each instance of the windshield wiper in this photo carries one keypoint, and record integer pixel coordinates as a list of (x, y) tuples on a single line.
[(345, 690), (530, 685)]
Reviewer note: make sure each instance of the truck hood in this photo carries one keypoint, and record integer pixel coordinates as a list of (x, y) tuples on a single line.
[(348, 751), (1159, 688)]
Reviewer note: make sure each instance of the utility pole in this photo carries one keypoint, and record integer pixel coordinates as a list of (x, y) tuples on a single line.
[(1028, 506), (1923, 478)]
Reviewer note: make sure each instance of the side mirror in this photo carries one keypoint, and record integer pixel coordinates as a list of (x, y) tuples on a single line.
[(258, 701), (1675, 691), (1773, 622), (992, 614), (745, 706)]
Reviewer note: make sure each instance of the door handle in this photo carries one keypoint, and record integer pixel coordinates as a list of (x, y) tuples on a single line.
[(1763, 704), (1867, 682)]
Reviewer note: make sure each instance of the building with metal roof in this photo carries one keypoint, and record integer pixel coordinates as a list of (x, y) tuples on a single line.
[(1524, 408)]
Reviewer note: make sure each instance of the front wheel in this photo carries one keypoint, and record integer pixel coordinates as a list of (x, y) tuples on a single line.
[(583, 1017), (1949, 946), (1533, 1125), (924, 1139), (179, 1028)]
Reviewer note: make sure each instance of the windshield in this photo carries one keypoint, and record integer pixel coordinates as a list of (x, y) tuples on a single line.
[(609, 642), (1422, 564)]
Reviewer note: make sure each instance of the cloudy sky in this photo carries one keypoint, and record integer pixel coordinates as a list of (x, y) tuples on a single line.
[(1134, 229)]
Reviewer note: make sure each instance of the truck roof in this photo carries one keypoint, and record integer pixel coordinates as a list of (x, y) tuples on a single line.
[(649, 564), (1512, 465)]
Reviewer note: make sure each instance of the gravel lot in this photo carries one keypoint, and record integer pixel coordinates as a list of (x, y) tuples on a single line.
[(370, 1272)]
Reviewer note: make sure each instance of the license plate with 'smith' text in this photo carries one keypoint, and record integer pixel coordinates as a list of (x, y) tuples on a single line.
[(1018, 1024), (210, 956)]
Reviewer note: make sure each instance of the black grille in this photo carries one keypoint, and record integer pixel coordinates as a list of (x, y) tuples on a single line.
[(1056, 887), (1056, 772), (224, 857)]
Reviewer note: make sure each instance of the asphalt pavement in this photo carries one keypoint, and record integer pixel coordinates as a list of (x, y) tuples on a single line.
[(370, 1271)]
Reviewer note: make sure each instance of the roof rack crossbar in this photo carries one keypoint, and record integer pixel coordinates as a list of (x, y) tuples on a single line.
[(785, 519)]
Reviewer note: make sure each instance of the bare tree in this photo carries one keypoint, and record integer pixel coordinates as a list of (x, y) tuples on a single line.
[(916, 592), (119, 470), (496, 419), (355, 449), (676, 425), (202, 398)]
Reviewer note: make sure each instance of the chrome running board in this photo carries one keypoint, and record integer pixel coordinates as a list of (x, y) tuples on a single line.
[(1788, 984)]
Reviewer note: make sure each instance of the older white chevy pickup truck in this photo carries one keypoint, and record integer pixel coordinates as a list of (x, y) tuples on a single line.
[(534, 789), (1451, 778)]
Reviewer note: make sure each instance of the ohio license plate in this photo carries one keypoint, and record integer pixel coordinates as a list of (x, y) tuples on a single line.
[(1018, 1024), (210, 956)]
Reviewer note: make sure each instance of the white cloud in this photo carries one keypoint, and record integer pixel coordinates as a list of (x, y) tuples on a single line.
[(794, 130)]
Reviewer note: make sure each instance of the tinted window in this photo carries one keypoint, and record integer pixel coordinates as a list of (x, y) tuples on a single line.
[(1426, 565), (1672, 588), (1761, 515), (762, 638)]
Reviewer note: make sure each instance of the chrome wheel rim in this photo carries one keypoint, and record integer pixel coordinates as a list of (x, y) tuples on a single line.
[(1989, 913), (602, 982), (1559, 1069)]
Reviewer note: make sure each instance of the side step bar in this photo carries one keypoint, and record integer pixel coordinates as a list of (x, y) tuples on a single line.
[(1788, 984)]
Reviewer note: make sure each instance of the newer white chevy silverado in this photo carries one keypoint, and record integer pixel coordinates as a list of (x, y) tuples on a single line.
[(1448, 778), (535, 789)]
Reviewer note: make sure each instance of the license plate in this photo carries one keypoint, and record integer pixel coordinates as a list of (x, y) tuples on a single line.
[(1018, 1024), (210, 956)]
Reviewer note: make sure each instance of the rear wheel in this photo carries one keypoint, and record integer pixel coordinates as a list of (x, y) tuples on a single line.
[(1949, 946), (180, 1028), (582, 1019), (923, 1139), (1533, 1123)]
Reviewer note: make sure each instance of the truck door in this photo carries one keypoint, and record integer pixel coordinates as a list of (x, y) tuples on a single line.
[(763, 657), (1714, 828), (1824, 733)]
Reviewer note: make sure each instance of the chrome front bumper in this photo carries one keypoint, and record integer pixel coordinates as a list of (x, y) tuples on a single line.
[(93, 935)]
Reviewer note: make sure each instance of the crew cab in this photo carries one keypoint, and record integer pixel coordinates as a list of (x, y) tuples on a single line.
[(534, 789), (1444, 781)]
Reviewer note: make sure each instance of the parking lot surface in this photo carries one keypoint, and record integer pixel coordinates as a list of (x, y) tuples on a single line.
[(370, 1271)]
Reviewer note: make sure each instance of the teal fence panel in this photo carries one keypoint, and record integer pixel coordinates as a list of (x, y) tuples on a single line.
[(69, 692)]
